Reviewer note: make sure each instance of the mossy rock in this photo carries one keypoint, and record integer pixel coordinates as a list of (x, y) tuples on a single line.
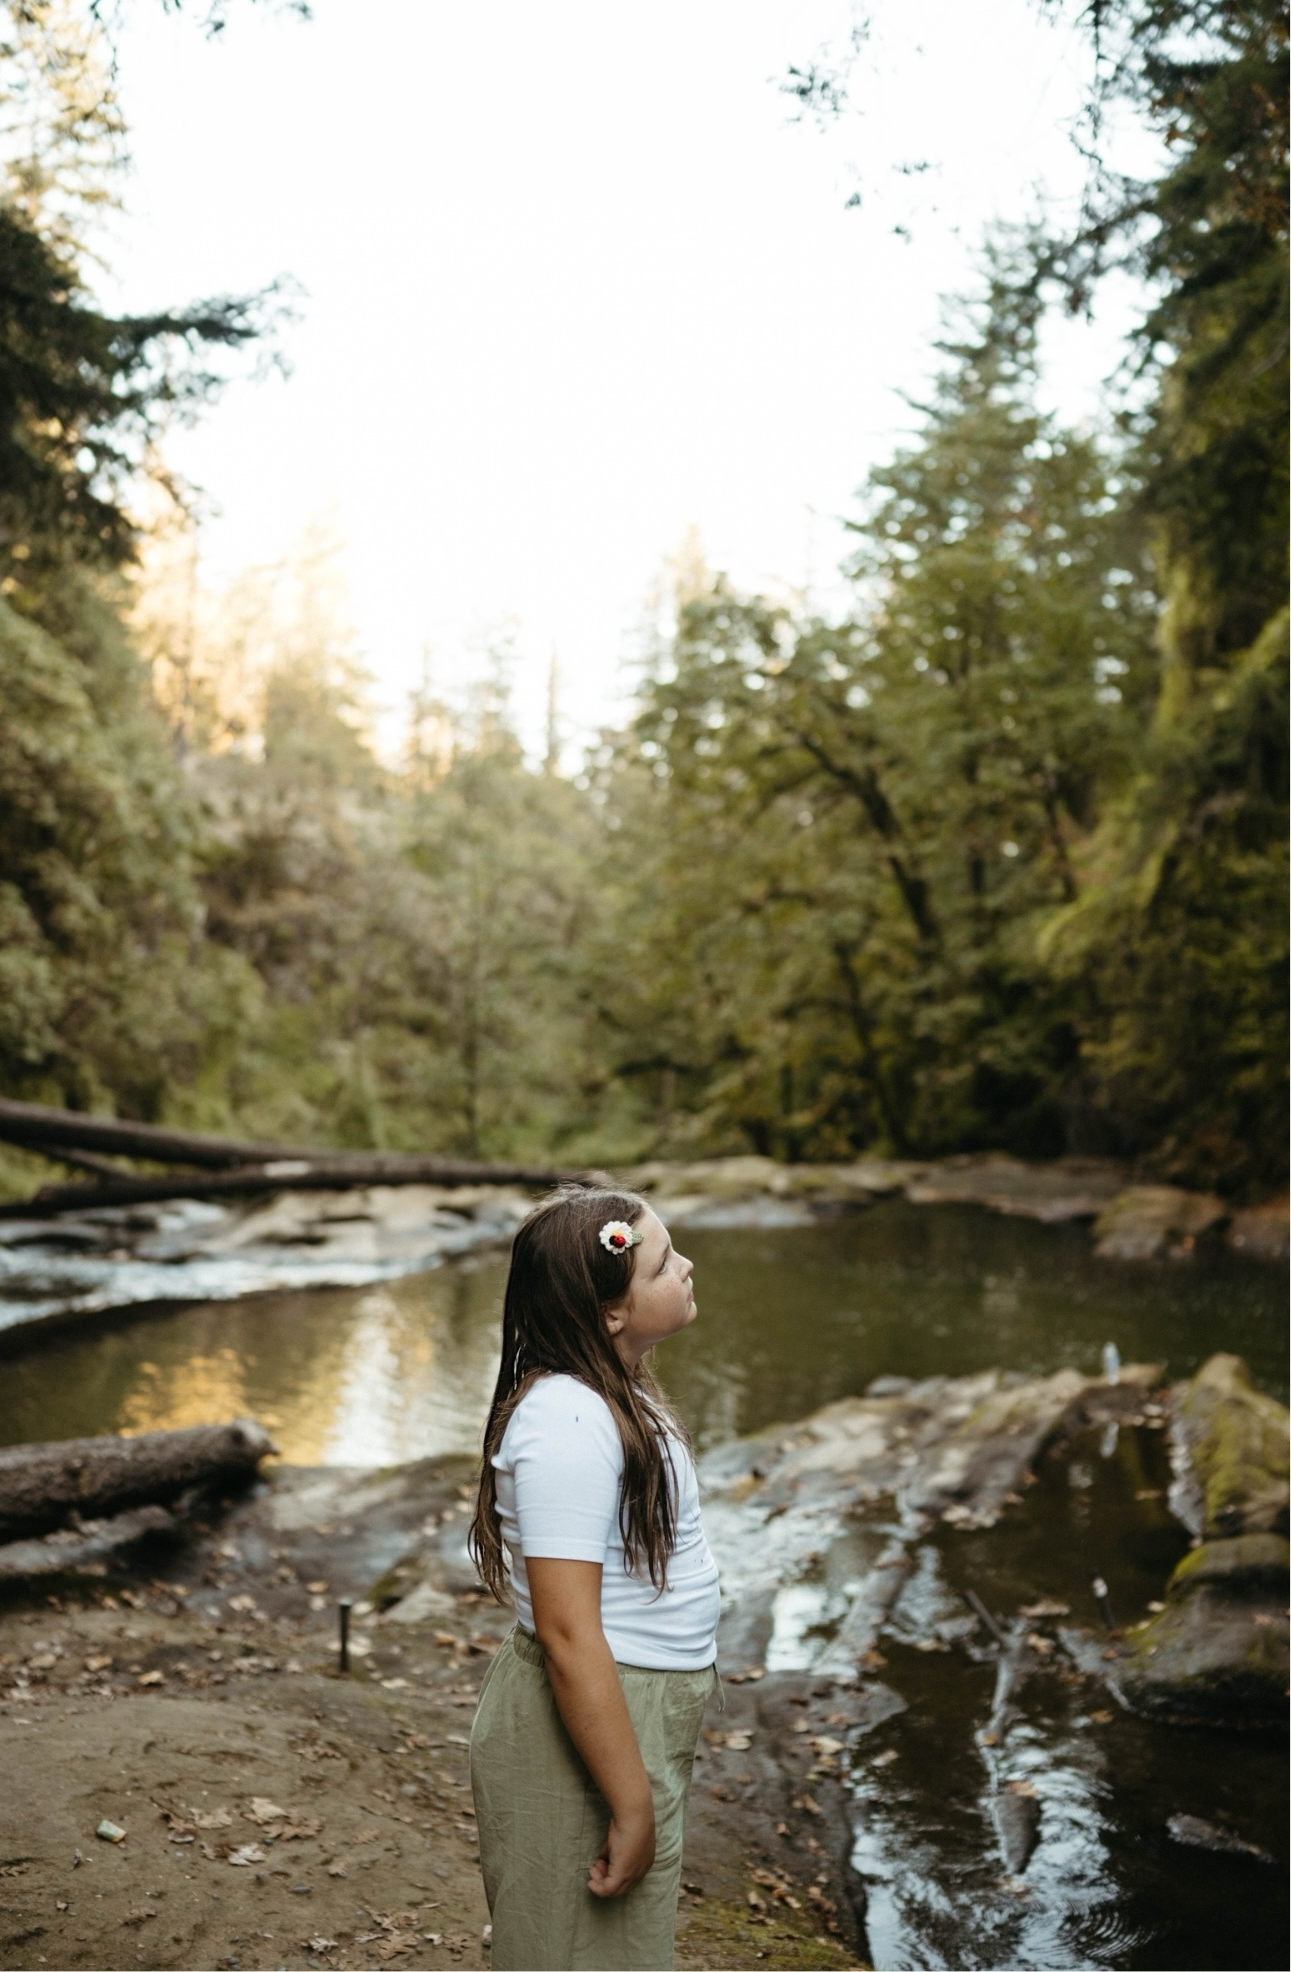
[(1218, 1652), (1236, 1442), (1249, 1568)]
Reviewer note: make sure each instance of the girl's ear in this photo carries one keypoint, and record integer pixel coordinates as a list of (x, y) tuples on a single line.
[(614, 1321)]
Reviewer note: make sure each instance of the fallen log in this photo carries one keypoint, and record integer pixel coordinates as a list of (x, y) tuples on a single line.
[(222, 1167), (34, 1126), (69, 1548), (313, 1173), (47, 1486)]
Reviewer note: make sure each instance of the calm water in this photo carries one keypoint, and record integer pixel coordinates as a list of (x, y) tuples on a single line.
[(788, 1320)]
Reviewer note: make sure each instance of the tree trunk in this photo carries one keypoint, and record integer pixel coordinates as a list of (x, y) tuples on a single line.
[(46, 1486), (33, 1125), (228, 1167), (289, 1174)]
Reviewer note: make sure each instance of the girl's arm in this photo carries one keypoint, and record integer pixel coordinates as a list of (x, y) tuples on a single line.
[(566, 1598)]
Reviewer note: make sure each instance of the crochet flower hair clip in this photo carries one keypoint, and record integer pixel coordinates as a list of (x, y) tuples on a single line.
[(617, 1236)]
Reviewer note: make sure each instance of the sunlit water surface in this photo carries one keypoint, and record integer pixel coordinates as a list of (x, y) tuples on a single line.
[(790, 1319)]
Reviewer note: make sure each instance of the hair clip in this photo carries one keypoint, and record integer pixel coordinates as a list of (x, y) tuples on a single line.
[(617, 1236)]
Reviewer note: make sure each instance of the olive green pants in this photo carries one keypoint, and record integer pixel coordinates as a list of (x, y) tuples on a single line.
[(542, 1819)]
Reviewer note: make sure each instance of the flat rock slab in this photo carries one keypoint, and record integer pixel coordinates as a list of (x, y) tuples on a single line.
[(1149, 1222), (879, 1472), (1069, 1188)]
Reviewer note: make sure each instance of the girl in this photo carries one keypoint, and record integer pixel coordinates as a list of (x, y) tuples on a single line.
[(584, 1739)]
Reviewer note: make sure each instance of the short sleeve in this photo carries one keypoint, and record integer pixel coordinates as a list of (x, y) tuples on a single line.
[(566, 1459)]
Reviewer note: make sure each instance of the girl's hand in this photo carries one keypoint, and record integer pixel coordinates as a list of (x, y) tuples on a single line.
[(627, 1855)]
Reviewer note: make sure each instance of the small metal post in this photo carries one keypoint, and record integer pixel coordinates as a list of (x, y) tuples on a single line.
[(1103, 1600), (343, 1608)]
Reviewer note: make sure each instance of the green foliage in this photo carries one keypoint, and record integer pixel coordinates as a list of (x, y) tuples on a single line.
[(1182, 939), (897, 804), (419, 934), (106, 994), (996, 860)]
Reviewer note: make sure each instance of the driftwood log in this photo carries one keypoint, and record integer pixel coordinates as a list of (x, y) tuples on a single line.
[(64, 1484), (69, 1548), (221, 1167)]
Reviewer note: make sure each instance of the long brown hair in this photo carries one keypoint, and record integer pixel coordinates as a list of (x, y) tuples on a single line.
[(553, 1320)]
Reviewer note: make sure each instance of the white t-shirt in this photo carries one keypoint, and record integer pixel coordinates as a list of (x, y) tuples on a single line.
[(559, 1473)]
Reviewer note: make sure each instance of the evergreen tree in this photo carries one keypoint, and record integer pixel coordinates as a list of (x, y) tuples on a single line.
[(902, 800)]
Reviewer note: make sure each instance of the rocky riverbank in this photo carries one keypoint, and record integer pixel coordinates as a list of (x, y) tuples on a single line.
[(271, 1811), (276, 1812)]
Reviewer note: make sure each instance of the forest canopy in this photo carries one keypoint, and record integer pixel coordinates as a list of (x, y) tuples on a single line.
[(994, 858)]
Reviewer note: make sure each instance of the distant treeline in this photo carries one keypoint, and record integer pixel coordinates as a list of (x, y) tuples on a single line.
[(998, 859)]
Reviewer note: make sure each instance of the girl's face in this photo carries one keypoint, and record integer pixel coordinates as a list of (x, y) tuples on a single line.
[(660, 1300)]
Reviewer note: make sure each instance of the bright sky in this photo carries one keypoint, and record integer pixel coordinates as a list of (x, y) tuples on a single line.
[(574, 283)]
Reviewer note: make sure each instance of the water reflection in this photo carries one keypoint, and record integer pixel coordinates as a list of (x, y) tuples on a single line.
[(789, 1318), (341, 1377), (1104, 1886)]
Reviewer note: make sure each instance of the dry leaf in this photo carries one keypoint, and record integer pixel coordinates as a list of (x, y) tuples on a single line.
[(152, 1677), (263, 1811), (249, 1852), (212, 1818)]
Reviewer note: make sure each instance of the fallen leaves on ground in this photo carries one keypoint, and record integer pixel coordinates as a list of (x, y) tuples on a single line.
[(249, 1852)]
